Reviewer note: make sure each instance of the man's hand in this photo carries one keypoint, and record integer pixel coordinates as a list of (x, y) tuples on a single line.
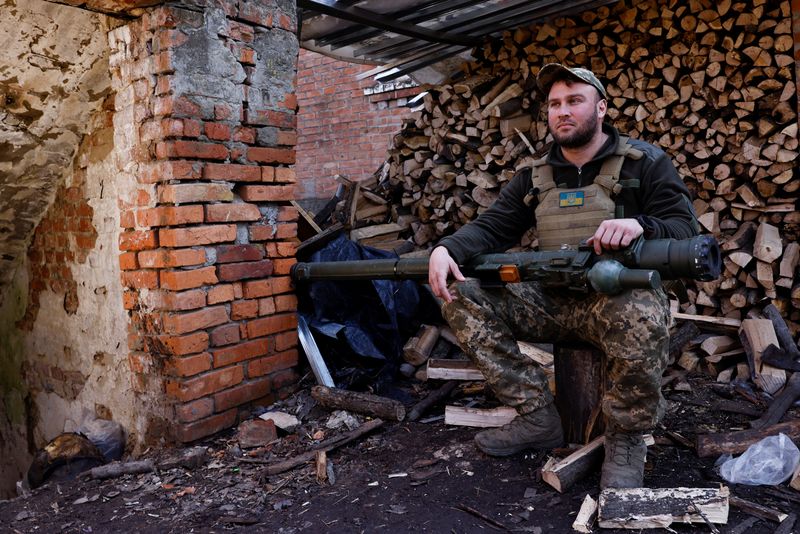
[(615, 234), (440, 265)]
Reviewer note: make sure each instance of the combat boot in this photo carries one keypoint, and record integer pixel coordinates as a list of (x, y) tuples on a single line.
[(623, 466), (537, 430)]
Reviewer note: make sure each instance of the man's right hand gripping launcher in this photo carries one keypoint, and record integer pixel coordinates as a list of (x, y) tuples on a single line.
[(642, 265)]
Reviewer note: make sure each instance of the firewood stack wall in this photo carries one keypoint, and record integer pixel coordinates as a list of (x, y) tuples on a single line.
[(712, 83)]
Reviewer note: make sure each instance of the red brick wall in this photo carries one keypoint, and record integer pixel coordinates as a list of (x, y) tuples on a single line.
[(208, 233), (339, 129)]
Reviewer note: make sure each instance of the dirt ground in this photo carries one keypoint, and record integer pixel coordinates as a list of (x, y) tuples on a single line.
[(403, 477)]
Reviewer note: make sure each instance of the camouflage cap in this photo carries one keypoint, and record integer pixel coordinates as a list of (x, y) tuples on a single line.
[(551, 71)]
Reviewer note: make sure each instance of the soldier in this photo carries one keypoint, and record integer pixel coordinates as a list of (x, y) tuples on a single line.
[(593, 184)]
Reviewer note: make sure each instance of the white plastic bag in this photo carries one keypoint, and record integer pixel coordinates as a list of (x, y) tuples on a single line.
[(769, 461)]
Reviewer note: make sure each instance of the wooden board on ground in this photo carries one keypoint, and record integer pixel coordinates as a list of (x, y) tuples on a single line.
[(586, 515), (658, 508), (478, 417), (562, 474)]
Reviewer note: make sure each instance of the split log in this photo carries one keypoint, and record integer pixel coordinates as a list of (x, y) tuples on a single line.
[(795, 482), (739, 441), (756, 335), (658, 508), (586, 516), (680, 338), (477, 417), (453, 370), (355, 401), (563, 474), (580, 368)]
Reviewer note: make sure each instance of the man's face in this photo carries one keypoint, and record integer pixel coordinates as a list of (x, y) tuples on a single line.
[(575, 113)]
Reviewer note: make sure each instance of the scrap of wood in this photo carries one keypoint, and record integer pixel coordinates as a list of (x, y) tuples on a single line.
[(562, 474), (739, 441), (306, 217), (372, 231), (321, 463), (658, 508), (327, 445), (586, 515), (758, 510), (478, 417), (443, 369), (795, 482)]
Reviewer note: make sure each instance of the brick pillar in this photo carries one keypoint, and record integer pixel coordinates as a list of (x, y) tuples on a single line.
[(205, 103)]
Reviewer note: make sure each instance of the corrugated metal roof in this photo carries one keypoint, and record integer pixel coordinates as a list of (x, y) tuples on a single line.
[(410, 36)]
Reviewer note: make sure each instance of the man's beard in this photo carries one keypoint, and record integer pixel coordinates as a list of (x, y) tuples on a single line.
[(581, 136)]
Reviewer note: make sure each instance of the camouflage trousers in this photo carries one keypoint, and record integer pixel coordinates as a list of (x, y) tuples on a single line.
[(632, 328)]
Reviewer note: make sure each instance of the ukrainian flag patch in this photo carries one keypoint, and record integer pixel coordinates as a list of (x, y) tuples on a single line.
[(568, 199)]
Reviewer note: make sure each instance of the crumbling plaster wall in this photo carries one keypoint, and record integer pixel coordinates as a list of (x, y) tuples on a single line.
[(53, 76), (63, 328)]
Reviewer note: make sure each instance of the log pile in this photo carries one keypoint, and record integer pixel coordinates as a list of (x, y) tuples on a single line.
[(711, 83)]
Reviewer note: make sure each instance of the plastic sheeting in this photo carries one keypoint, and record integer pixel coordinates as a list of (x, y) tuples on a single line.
[(371, 318)]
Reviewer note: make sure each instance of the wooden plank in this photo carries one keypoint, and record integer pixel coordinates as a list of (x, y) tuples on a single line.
[(708, 319), (758, 510), (478, 417), (372, 231), (453, 370), (634, 508)]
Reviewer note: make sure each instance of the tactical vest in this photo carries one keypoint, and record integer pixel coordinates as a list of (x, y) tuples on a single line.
[(567, 216)]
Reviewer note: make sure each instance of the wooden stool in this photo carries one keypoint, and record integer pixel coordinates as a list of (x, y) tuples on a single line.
[(581, 381)]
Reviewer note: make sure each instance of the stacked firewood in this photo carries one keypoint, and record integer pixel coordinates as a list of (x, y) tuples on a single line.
[(711, 83)]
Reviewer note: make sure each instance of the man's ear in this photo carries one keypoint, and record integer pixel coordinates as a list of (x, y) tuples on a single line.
[(602, 107)]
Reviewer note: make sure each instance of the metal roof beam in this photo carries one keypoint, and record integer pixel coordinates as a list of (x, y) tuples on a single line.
[(421, 13), (342, 11)]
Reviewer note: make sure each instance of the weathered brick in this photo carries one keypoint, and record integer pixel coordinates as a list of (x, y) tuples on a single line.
[(220, 293), (183, 323), (285, 175), (137, 240), (281, 284), (242, 351), (181, 345), (237, 253), (256, 288), (242, 393), (163, 258), (282, 265), (186, 193), (271, 155), (188, 365), (187, 279), (193, 149), (192, 411), (285, 303), (272, 363), (232, 212), (266, 306), (242, 134), (205, 384), (240, 271), (170, 216), (271, 325), (197, 235), (285, 382), (163, 171), (288, 214), (130, 299), (205, 427), (225, 335), (271, 118), (217, 131), (127, 261), (171, 301), (287, 137), (285, 249), (232, 172), (244, 309), (139, 279), (267, 193), (286, 340)]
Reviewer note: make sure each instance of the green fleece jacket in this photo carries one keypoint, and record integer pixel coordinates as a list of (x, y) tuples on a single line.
[(660, 203)]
